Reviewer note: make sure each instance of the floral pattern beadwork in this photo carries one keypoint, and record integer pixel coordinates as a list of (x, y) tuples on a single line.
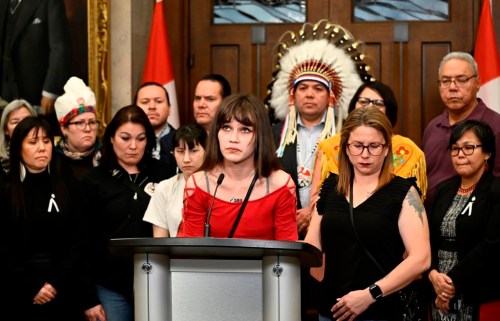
[(399, 155)]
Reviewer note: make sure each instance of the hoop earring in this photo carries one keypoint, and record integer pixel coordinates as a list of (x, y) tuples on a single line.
[(22, 172)]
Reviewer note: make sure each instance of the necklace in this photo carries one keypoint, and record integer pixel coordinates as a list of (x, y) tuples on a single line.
[(133, 177), (308, 156), (466, 191), (236, 199), (304, 173)]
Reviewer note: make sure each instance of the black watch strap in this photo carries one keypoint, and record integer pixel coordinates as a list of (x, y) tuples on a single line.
[(375, 291)]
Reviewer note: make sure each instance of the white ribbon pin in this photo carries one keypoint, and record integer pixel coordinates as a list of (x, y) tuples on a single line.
[(52, 203), (468, 208)]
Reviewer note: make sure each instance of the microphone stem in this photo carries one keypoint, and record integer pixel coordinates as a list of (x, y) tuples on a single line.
[(206, 231)]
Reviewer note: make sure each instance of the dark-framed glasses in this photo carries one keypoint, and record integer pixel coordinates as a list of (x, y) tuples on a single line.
[(458, 81), (82, 124), (356, 149), (466, 149), (363, 101)]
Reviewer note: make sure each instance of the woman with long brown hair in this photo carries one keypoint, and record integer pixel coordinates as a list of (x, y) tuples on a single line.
[(241, 148)]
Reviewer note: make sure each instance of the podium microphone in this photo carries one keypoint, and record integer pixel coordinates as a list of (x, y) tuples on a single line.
[(207, 222)]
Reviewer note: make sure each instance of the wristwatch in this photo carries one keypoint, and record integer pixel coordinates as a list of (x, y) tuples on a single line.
[(375, 291)]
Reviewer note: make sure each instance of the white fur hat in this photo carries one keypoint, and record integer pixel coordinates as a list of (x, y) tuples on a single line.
[(77, 99)]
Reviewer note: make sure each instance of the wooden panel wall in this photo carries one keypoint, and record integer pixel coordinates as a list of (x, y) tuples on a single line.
[(431, 57), (227, 63), (198, 48)]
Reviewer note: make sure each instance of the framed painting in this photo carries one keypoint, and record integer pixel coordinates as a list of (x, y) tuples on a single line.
[(98, 56)]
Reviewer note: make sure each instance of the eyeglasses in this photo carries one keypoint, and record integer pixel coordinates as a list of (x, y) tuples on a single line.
[(466, 149), (356, 149), (459, 81), (375, 102), (82, 124)]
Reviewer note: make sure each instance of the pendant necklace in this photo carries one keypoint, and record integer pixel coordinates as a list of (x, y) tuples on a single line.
[(133, 177), (304, 175), (235, 199)]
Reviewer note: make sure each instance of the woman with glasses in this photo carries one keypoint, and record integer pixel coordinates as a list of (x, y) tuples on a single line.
[(75, 112), (366, 208), (464, 221), (459, 85), (408, 158), (165, 208)]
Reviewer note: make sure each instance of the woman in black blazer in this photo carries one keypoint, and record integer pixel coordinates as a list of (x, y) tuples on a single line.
[(465, 228)]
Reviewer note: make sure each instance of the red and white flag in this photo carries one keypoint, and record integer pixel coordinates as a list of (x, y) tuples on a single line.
[(158, 66), (488, 60)]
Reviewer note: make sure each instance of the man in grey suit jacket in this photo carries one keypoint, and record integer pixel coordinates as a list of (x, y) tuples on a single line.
[(34, 48)]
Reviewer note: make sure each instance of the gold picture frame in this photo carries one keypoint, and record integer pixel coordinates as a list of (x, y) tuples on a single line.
[(98, 57)]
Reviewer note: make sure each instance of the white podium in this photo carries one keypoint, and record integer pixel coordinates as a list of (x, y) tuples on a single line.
[(197, 279)]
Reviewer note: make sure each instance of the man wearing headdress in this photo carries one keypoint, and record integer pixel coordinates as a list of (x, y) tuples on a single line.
[(310, 97)]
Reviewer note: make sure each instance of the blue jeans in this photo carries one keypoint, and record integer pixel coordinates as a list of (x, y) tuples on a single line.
[(116, 306), (322, 318)]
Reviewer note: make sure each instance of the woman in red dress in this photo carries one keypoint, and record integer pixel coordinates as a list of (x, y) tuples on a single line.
[(241, 147)]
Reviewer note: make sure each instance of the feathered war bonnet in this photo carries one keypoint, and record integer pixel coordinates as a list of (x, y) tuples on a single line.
[(322, 52)]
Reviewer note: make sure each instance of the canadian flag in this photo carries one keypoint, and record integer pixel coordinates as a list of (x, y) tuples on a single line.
[(488, 60), (158, 66)]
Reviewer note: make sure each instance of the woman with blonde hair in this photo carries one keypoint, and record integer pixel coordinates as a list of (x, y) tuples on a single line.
[(408, 159), (370, 224)]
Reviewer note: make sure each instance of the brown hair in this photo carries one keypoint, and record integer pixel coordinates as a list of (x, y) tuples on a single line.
[(368, 117), (250, 111)]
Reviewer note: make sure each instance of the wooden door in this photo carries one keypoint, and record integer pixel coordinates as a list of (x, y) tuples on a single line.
[(410, 68), (228, 49)]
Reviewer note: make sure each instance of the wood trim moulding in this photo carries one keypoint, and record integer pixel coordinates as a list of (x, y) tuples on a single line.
[(98, 57)]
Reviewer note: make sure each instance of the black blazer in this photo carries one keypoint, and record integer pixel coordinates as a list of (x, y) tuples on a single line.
[(478, 237), (289, 159), (166, 151), (39, 49)]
